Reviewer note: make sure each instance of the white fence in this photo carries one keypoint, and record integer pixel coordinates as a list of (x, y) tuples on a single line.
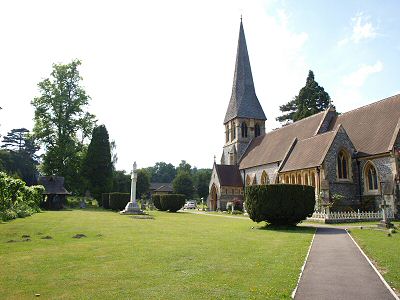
[(353, 216)]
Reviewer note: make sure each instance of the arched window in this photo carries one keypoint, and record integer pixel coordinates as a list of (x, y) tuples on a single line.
[(248, 180), (226, 133), (287, 179), (371, 177), (312, 175), (257, 130), (255, 179), (233, 129), (306, 181), (298, 178), (343, 165), (244, 129), (264, 178), (293, 179)]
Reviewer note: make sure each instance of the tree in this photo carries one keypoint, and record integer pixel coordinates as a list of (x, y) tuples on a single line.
[(184, 167), (20, 140), (311, 99), (143, 183), (183, 184), (19, 157), (201, 181), (162, 172), (97, 166), (121, 182), (62, 123)]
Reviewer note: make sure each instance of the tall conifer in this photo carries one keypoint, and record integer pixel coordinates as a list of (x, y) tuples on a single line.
[(97, 167), (311, 99)]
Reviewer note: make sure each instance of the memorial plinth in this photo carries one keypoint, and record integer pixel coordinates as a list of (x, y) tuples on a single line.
[(132, 207)]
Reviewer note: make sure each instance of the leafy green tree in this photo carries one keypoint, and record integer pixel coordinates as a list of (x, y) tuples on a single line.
[(183, 184), (121, 182), (184, 167), (19, 157), (311, 99), (97, 166), (62, 123), (201, 181), (162, 172), (143, 183)]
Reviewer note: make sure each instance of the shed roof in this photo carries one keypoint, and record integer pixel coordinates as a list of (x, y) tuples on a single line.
[(53, 185)]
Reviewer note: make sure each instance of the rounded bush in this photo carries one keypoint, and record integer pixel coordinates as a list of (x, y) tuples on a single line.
[(279, 204), (172, 202)]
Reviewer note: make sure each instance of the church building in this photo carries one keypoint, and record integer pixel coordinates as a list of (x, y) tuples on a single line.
[(354, 155)]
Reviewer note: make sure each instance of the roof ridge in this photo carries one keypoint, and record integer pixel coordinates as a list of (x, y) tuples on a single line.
[(366, 105), (296, 122)]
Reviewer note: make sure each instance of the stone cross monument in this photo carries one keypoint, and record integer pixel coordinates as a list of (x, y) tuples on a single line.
[(132, 207)]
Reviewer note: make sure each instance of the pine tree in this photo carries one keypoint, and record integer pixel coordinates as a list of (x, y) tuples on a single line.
[(97, 166), (311, 99)]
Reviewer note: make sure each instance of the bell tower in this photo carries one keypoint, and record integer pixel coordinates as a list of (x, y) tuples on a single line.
[(244, 118)]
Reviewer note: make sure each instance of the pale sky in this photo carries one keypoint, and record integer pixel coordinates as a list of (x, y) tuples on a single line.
[(160, 72)]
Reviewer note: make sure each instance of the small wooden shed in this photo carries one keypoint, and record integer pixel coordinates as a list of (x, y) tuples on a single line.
[(54, 195)]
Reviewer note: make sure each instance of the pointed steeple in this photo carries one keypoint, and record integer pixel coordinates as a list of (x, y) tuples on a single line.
[(244, 102)]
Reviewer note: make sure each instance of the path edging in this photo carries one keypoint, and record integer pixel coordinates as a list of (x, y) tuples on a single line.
[(373, 267), (304, 265)]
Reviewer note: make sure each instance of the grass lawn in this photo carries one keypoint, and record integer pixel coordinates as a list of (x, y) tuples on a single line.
[(383, 251), (172, 256)]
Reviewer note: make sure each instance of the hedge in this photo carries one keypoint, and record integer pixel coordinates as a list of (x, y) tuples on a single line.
[(156, 201), (279, 204), (118, 201), (17, 199), (105, 200), (172, 202)]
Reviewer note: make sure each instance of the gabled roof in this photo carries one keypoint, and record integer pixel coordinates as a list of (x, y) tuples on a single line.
[(161, 186), (53, 185), (371, 128), (244, 102), (273, 146), (309, 152), (229, 175)]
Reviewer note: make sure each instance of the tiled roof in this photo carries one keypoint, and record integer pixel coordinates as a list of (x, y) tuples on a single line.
[(371, 128), (53, 185), (244, 102), (309, 152), (229, 175), (164, 186), (273, 146)]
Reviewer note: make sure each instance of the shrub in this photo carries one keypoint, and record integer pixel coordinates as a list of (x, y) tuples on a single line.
[(17, 199), (172, 202), (156, 201), (368, 203), (105, 200), (279, 204), (118, 201)]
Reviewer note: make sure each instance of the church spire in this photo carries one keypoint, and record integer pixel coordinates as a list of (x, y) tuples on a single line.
[(244, 102)]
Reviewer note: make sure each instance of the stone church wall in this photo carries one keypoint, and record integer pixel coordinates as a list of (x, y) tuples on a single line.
[(384, 168), (270, 169), (345, 188)]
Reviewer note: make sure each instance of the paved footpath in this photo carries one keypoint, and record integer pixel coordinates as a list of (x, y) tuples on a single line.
[(336, 269)]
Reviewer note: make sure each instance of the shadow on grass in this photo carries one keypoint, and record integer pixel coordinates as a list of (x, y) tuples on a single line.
[(287, 228)]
